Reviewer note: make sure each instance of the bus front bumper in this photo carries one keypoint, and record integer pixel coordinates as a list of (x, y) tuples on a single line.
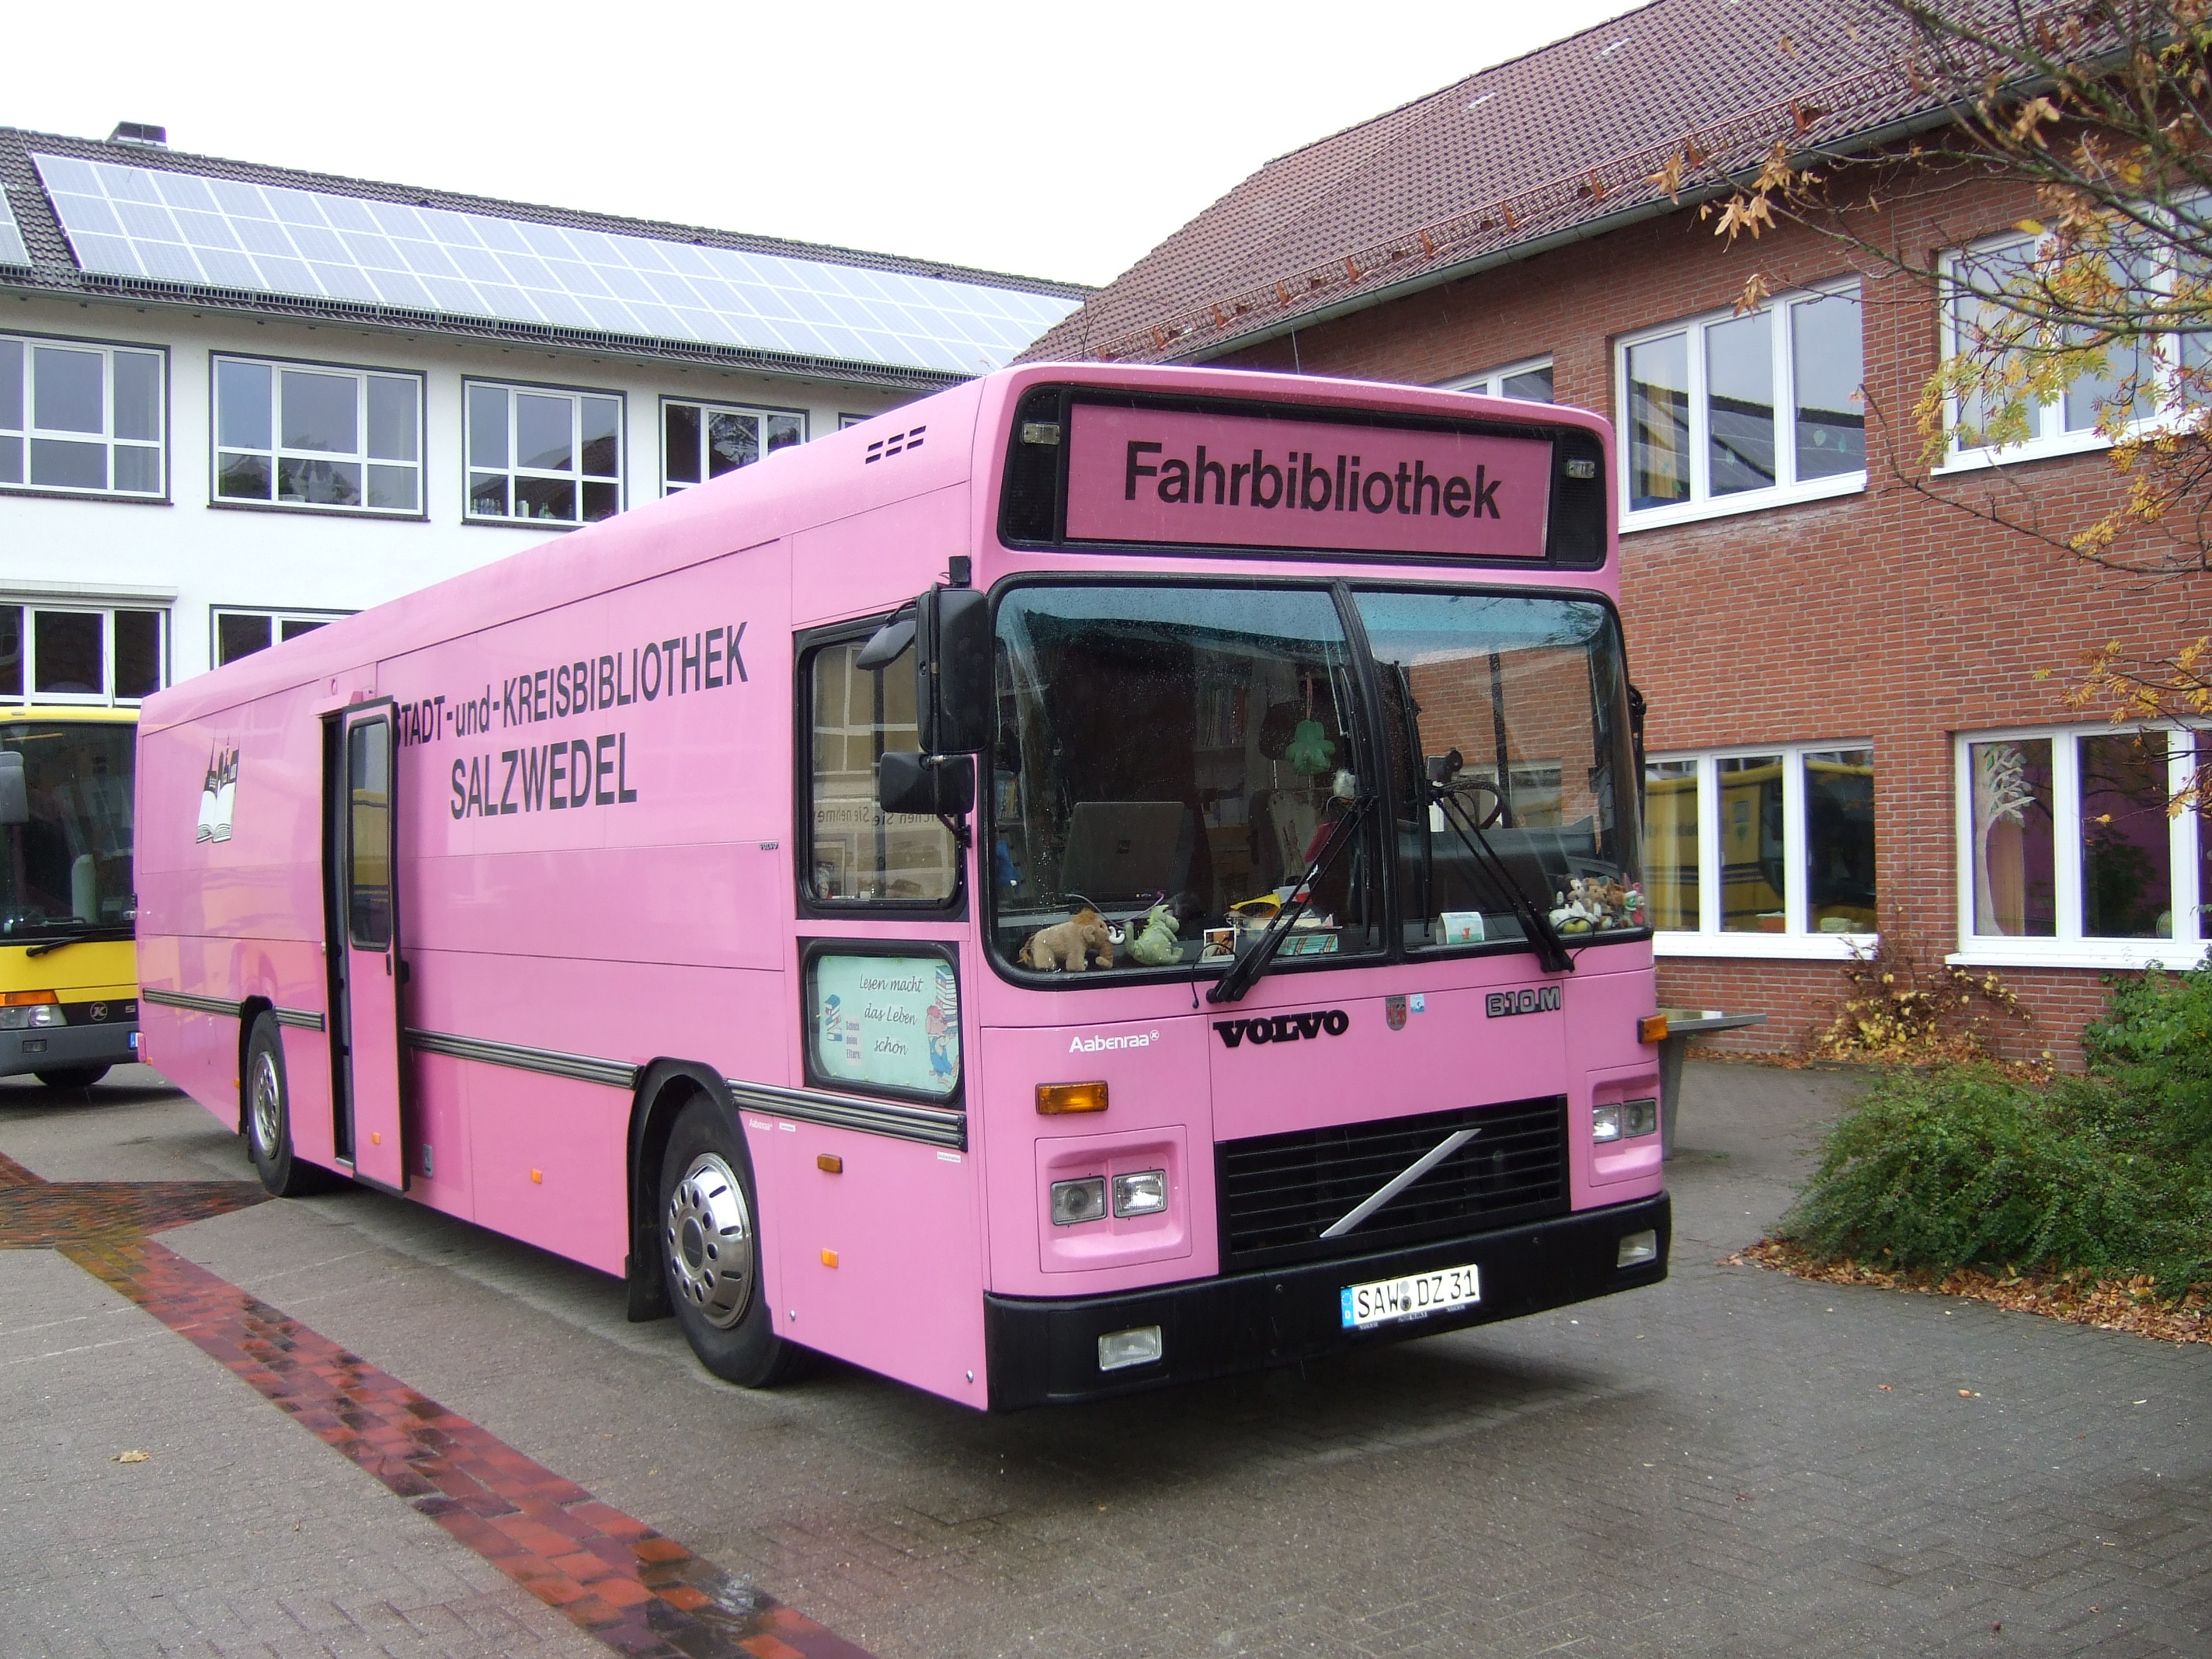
[(62, 1048), (1046, 1352)]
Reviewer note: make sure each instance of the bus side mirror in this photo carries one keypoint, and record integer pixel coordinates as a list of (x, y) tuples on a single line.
[(955, 706), (934, 786), (14, 794)]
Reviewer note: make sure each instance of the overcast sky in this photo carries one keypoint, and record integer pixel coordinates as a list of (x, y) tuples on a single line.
[(1054, 140)]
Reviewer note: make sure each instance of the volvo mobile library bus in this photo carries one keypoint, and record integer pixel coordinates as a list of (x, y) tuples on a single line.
[(1102, 876)]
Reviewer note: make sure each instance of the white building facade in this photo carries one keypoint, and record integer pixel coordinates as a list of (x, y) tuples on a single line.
[(235, 402)]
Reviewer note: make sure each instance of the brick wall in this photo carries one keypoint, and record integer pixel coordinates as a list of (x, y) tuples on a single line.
[(1883, 616)]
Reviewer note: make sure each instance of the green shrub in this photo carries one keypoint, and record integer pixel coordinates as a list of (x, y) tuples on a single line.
[(2155, 1046), (1967, 1167)]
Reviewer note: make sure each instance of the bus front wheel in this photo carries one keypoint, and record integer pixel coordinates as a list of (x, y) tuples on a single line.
[(269, 1117), (710, 1253)]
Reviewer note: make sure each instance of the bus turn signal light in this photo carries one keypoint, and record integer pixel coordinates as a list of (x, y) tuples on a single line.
[(18, 998), (1055, 1098), (1652, 1028), (829, 1163)]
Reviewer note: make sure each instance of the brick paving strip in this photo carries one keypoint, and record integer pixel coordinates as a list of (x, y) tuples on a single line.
[(612, 1575)]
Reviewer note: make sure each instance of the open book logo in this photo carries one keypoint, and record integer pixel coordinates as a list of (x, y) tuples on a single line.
[(218, 790)]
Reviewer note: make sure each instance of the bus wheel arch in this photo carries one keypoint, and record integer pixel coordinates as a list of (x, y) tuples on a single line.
[(704, 1233), (266, 1108), (664, 1087), (249, 1011)]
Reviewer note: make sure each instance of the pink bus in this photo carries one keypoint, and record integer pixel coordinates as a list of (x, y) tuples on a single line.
[(1099, 878)]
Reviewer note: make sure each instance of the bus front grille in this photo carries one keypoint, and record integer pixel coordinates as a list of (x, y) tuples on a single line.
[(1279, 1193)]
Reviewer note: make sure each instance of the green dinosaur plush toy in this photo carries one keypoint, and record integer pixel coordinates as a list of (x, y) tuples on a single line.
[(1309, 750), (1158, 943)]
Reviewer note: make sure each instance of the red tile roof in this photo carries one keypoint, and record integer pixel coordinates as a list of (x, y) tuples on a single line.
[(1500, 164)]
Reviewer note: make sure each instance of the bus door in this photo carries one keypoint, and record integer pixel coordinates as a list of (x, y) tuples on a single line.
[(366, 972)]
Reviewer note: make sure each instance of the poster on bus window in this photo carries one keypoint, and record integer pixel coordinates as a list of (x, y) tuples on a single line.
[(887, 1021)]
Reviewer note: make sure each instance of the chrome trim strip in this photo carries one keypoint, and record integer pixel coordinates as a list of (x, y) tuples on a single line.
[(551, 1062), (302, 1019), (197, 1003), (934, 1126), (1398, 1182)]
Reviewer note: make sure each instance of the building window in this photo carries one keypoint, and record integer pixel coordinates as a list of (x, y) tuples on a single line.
[(242, 633), (75, 653), (1769, 851), (701, 442), (306, 435), (1988, 332), (81, 417), (1728, 413), (2067, 852), (846, 420), (542, 455), (1531, 382)]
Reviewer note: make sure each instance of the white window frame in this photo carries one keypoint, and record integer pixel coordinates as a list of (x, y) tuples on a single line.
[(275, 618), (106, 697), (512, 472), (1786, 490), (2069, 948), (1490, 382), (1794, 942), (762, 412), (30, 431), (361, 376), (2051, 438)]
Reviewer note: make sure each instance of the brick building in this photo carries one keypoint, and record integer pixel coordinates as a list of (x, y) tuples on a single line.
[(1848, 740)]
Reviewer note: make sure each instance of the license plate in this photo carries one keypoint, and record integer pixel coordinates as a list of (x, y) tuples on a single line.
[(1385, 1301)]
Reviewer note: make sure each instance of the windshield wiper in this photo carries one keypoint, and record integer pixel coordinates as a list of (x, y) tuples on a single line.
[(92, 931), (1551, 952), (1248, 968)]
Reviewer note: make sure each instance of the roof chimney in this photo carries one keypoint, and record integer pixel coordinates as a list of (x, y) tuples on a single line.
[(139, 132)]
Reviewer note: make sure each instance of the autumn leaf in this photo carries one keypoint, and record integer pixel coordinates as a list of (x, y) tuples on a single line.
[(132, 1457)]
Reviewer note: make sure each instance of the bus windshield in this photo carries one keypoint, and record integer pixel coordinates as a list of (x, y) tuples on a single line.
[(1514, 774), (68, 870), (1173, 758)]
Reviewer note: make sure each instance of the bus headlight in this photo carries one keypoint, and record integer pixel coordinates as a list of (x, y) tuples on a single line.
[(1639, 1117), (1605, 1121), (1144, 1193), (1079, 1200), (25, 1010)]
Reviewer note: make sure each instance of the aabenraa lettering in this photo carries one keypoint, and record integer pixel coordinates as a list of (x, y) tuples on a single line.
[(1303, 483)]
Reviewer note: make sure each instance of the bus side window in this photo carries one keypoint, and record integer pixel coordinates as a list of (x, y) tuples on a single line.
[(855, 852), (368, 878)]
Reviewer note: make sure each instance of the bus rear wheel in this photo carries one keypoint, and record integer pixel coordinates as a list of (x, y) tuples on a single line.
[(269, 1117), (73, 1076), (710, 1253)]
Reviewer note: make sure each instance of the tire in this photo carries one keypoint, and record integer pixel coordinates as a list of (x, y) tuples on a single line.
[(707, 1231), (73, 1076), (269, 1118)]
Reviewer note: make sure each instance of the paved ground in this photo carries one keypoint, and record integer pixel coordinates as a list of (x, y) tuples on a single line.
[(1712, 1466)]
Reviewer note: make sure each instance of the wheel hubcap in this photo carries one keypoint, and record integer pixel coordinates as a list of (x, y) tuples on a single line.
[(710, 1239), (266, 1100)]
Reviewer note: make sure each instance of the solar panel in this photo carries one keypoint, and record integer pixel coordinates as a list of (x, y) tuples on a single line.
[(229, 232), (12, 251)]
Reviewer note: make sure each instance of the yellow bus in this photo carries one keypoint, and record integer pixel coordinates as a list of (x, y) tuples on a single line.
[(68, 966)]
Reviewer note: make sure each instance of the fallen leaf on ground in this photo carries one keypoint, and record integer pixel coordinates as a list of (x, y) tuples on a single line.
[(132, 1457), (2110, 1304)]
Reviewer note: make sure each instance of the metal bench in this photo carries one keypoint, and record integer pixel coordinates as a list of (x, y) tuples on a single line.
[(1682, 1025)]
